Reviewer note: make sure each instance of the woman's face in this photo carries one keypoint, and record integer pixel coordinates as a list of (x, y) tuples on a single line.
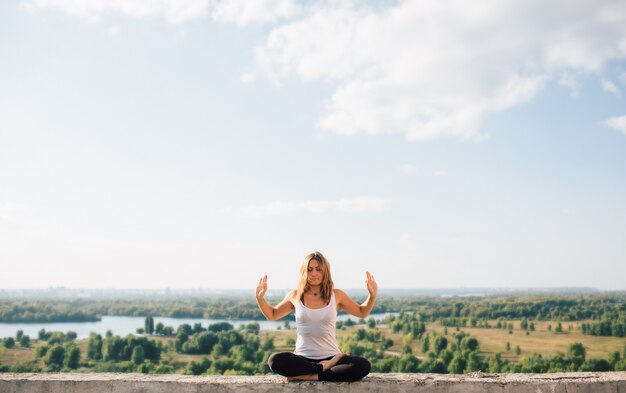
[(315, 274)]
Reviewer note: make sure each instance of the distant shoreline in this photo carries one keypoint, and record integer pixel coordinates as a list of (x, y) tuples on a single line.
[(110, 293)]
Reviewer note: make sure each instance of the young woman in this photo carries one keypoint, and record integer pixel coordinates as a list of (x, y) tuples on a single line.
[(315, 302)]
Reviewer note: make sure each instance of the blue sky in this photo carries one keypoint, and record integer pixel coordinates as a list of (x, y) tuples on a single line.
[(203, 143)]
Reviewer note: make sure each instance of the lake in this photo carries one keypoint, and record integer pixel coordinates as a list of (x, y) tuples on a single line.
[(128, 325)]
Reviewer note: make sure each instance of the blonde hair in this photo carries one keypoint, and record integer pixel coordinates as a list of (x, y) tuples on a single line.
[(327, 282)]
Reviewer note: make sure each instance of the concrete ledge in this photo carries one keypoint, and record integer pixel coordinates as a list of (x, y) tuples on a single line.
[(613, 382)]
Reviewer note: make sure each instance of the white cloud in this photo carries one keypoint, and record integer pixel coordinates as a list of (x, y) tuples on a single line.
[(617, 122), (440, 174), (569, 81), (430, 69), (407, 168), (113, 30), (247, 77), (354, 205), (10, 210), (405, 239), (610, 87), (247, 12), (173, 11), (424, 69), (238, 12)]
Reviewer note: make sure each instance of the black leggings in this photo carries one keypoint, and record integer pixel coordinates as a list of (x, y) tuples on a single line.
[(348, 369)]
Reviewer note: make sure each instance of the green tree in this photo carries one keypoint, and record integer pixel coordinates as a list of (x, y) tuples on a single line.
[(72, 357), (149, 325), (18, 335), (474, 363), (518, 350), (197, 368), (577, 350), (408, 363), (41, 351), (371, 323), (523, 324), (94, 347), (9, 342), (439, 343), (42, 335), (25, 341), (138, 355), (457, 364), (597, 365), (495, 364), (559, 328), (469, 343), (54, 357), (576, 353), (181, 339), (438, 367), (614, 358)]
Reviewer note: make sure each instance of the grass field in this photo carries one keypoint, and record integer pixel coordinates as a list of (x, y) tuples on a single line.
[(540, 341), (494, 340)]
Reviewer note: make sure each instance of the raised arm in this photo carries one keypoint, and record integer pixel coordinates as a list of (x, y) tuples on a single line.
[(272, 313), (352, 307)]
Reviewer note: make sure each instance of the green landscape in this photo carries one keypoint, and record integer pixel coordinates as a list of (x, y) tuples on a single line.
[(495, 334)]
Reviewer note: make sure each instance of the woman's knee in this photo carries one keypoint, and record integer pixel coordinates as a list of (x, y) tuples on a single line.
[(363, 366), (277, 360)]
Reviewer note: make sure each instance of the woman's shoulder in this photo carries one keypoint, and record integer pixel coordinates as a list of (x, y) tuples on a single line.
[(291, 295), (339, 294)]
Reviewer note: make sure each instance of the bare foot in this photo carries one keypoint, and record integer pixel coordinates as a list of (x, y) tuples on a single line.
[(328, 364), (309, 377)]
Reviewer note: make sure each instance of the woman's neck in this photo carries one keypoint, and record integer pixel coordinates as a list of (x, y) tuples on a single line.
[(315, 289)]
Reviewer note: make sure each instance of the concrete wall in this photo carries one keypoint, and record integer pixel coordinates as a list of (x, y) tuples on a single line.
[(614, 382)]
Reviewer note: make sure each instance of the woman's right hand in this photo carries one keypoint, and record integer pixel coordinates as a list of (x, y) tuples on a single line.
[(261, 288)]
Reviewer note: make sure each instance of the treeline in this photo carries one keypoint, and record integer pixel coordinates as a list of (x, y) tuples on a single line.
[(84, 310), (37, 311), (533, 307), (605, 327), (539, 308)]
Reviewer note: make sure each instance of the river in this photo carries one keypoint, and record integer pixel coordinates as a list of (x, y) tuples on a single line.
[(128, 325)]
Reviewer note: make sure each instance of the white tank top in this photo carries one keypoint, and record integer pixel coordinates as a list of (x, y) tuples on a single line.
[(316, 330)]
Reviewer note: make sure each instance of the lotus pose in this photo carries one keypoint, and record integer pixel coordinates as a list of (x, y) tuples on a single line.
[(317, 356)]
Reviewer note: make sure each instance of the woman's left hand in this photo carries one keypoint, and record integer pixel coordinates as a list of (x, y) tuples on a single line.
[(372, 287)]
